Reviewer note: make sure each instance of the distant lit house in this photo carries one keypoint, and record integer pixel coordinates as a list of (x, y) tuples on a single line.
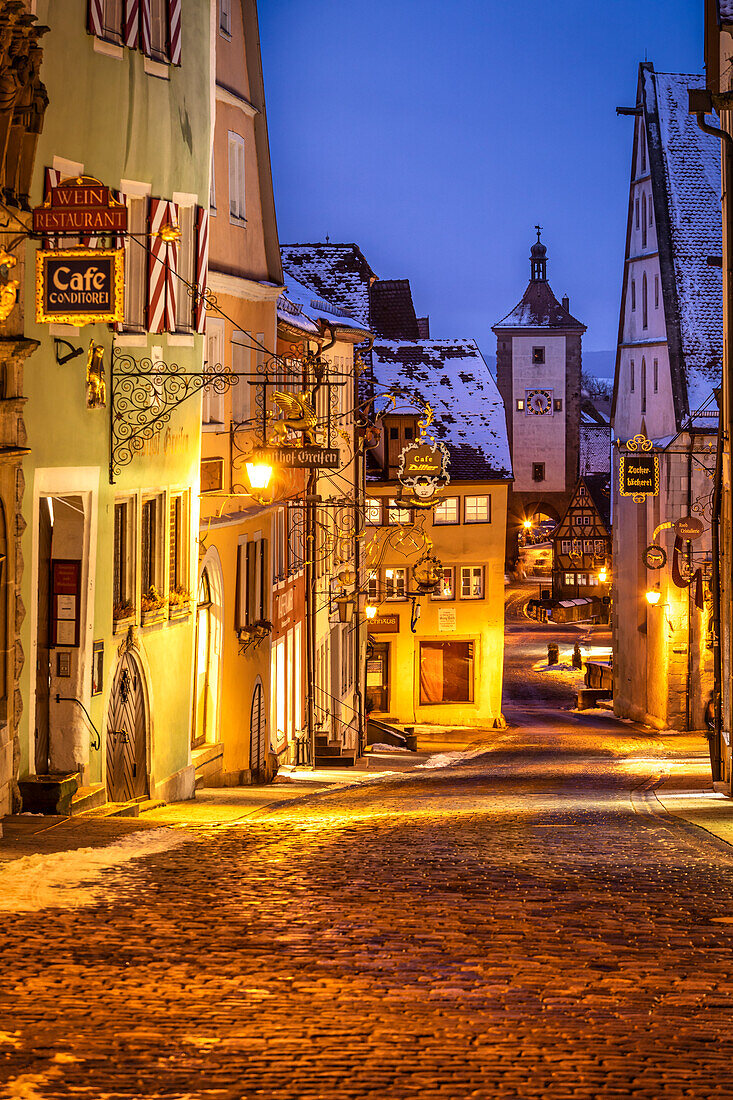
[(581, 560)]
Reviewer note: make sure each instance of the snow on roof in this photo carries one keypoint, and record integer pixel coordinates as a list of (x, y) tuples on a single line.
[(725, 11), (338, 273), (299, 305), (595, 449), (539, 308), (691, 161), (453, 378)]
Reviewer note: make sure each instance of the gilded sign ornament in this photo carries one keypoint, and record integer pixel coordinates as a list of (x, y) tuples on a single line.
[(299, 416), (80, 286), (639, 470), (8, 286)]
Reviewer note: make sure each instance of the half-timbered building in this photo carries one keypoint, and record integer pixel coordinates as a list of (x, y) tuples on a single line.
[(581, 545)]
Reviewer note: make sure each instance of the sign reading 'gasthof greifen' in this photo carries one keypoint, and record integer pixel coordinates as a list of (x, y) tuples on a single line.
[(639, 475), (79, 286)]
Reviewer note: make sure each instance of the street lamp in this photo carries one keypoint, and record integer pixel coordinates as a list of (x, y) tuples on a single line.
[(259, 471), (653, 596), (345, 608), (527, 524), (370, 611), (603, 574)]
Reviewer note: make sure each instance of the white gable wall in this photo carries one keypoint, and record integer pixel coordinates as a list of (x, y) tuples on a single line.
[(538, 438)]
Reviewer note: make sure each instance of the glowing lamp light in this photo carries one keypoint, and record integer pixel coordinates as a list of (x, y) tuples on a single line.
[(389, 574), (603, 575), (653, 596), (527, 524), (370, 611), (259, 472)]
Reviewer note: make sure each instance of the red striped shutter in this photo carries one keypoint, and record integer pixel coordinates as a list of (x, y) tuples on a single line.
[(172, 285), (95, 17), (162, 267), (145, 34), (119, 238), (174, 31), (51, 178), (202, 267), (131, 26)]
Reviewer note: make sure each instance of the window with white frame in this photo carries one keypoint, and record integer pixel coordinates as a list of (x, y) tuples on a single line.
[(472, 582), (582, 579), (588, 546), (213, 402), (151, 546), (123, 578), (565, 546), (446, 511), (236, 177), (240, 601), (225, 17), (136, 256), (186, 266), (397, 513), (373, 508), (212, 185), (477, 509), (241, 390), (599, 546), (569, 578), (395, 583), (177, 545), (446, 588), (373, 585)]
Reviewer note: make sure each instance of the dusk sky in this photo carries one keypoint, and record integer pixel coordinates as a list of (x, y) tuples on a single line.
[(435, 133)]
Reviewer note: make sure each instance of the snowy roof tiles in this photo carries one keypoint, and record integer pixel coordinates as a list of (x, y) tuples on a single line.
[(539, 308), (452, 377), (299, 305), (392, 310), (725, 11), (595, 449), (689, 229), (337, 272)]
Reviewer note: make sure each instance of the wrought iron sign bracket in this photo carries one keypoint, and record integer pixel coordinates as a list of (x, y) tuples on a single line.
[(72, 353)]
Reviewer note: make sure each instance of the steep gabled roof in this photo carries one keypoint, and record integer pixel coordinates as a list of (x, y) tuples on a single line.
[(452, 377), (598, 487), (300, 306), (339, 273), (685, 176), (539, 308)]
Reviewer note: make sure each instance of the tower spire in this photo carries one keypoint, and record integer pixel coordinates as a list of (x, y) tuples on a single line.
[(538, 259)]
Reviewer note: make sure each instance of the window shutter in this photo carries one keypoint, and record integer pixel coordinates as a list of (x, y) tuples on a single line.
[(95, 17), (233, 178), (145, 32), (263, 578), (131, 27), (202, 267), (240, 605), (162, 265), (174, 31), (251, 586)]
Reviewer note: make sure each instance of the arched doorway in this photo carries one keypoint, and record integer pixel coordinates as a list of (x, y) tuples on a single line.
[(208, 649), (127, 733), (258, 733)]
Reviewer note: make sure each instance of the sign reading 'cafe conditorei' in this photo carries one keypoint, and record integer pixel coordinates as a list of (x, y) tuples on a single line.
[(80, 286)]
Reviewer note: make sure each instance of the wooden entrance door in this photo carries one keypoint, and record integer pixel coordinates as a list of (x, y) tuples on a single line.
[(377, 677), (127, 772), (258, 733)]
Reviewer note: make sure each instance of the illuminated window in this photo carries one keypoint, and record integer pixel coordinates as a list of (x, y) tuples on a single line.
[(538, 356), (570, 578), (373, 585), (395, 583), (588, 546), (472, 582), (397, 513), (477, 510), (446, 672), (446, 511), (599, 546), (520, 404), (373, 511), (446, 591)]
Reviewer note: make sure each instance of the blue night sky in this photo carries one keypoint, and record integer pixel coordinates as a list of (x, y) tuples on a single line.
[(435, 133)]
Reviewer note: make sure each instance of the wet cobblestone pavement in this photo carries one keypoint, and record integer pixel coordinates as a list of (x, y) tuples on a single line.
[(520, 927)]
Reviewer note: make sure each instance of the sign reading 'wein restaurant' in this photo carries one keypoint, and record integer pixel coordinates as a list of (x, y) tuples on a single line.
[(83, 206)]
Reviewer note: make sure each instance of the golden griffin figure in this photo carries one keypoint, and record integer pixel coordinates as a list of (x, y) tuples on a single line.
[(299, 416)]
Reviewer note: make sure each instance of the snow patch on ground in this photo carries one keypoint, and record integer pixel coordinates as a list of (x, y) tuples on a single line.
[(66, 880), (558, 668), (388, 748), (450, 759)]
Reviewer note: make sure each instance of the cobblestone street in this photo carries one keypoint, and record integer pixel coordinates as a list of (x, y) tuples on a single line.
[(524, 925)]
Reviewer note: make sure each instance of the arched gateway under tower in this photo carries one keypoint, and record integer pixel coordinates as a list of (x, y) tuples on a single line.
[(538, 362)]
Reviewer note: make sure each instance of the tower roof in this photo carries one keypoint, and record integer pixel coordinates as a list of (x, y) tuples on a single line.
[(539, 308)]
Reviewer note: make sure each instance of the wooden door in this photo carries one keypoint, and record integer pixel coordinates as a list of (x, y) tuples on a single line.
[(127, 773), (258, 733), (43, 652)]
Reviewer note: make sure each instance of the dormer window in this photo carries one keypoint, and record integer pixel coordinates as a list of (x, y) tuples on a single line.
[(538, 356)]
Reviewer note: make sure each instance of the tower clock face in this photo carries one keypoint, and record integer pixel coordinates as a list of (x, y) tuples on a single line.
[(539, 402)]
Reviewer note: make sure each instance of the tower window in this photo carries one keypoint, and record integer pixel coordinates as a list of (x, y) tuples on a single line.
[(538, 355), (557, 403), (633, 294), (656, 376), (631, 386), (637, 213), (656, 292), (643, 220), (538, 471), (643, 385), (520, 404), (644, 311)]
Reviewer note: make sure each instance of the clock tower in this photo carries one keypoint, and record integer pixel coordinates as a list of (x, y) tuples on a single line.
[(538, 361)]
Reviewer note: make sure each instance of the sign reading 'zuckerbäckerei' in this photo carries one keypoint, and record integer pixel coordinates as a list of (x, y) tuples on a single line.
[(80, 286), (639, 475)]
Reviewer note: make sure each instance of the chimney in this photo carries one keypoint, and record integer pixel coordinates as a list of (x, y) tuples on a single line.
[(566, 304)]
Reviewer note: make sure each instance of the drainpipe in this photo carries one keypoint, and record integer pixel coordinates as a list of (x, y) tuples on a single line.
[(689, 591), (700, 104), (716, 739), (359, 495)]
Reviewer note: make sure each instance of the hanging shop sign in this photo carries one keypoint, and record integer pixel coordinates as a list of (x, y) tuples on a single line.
[(307, 457), (81, 206), (639, 476), (689, 528), (423, 471), (77, 286), (655, 557)]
